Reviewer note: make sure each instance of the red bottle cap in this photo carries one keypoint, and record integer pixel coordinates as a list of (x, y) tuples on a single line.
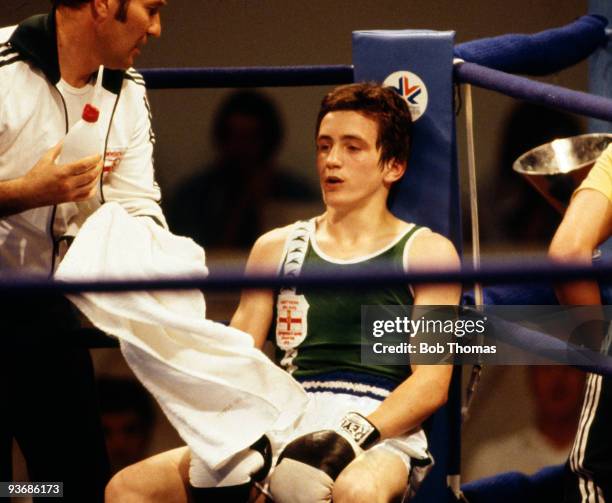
[(90, 113)]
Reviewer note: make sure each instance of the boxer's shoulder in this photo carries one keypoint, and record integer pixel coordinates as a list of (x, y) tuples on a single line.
[(431, 250), (268, 249)]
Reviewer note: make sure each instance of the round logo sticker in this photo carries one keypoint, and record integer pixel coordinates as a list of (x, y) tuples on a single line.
[(410, 87)]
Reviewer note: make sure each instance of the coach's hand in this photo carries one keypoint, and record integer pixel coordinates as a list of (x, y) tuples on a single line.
[(308, 466), (48, 183)]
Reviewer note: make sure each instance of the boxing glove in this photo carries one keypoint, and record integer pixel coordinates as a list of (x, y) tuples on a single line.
[(308, 466)]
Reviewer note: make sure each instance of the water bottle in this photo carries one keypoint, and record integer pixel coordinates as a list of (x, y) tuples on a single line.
[(83, 138)]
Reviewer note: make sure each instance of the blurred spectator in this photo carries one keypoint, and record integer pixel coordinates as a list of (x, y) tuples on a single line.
[(557, 394), (127, 419), (225, 204), (518, 214)]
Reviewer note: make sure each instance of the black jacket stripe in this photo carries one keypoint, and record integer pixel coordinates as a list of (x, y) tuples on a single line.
[(7, 51), (11, 60), (140, 81), (135, 76)]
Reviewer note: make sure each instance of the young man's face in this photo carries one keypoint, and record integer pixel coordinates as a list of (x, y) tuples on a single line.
[(125, 35), (348, 160)]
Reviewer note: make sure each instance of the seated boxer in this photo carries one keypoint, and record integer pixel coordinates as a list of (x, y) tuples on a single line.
[(360, 438)]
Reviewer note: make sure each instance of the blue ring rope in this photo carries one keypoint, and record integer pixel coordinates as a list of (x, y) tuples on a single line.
[(263, 76), (535, 92), (509, 273), (470, 73)]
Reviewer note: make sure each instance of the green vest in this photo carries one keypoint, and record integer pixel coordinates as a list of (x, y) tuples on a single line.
[(332, 328)]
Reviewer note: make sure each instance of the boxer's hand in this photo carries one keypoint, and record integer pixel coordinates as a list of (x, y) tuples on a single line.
[(308, 466), (48, 183)]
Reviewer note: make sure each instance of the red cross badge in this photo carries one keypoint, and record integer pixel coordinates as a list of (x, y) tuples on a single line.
[(291, 327)]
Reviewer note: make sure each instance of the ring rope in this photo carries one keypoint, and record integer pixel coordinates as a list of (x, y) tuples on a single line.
[(526, 89), (514, 272), (514, 86), (255, 76)]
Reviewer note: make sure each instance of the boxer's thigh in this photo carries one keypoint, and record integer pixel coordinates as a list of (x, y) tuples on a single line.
[(377, 475), (162, 477)]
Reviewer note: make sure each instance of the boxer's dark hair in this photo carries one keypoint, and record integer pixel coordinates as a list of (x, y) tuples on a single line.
[(120, 16), (381, 104)]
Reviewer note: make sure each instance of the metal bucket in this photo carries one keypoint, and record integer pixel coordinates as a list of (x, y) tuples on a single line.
[(557, 168)]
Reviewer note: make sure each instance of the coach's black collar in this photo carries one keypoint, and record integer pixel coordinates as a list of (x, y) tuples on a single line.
[(35, 38)]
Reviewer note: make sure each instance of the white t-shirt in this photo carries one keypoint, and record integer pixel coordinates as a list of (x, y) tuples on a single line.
[(75, 98)]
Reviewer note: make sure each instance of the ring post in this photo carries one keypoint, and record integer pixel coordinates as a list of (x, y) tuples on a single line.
[(419, 65), (600, 67)]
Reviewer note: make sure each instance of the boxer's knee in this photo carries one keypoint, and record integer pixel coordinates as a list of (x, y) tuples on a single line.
[(377, 476), (160, 478), (356, 487), (125, 487)]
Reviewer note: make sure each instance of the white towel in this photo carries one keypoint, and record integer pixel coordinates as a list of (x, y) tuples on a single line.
[(217, 389)]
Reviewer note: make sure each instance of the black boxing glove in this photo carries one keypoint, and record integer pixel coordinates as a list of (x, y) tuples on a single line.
[(307, 467)]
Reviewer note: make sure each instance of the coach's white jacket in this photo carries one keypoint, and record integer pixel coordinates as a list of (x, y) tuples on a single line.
[(33, 118)]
